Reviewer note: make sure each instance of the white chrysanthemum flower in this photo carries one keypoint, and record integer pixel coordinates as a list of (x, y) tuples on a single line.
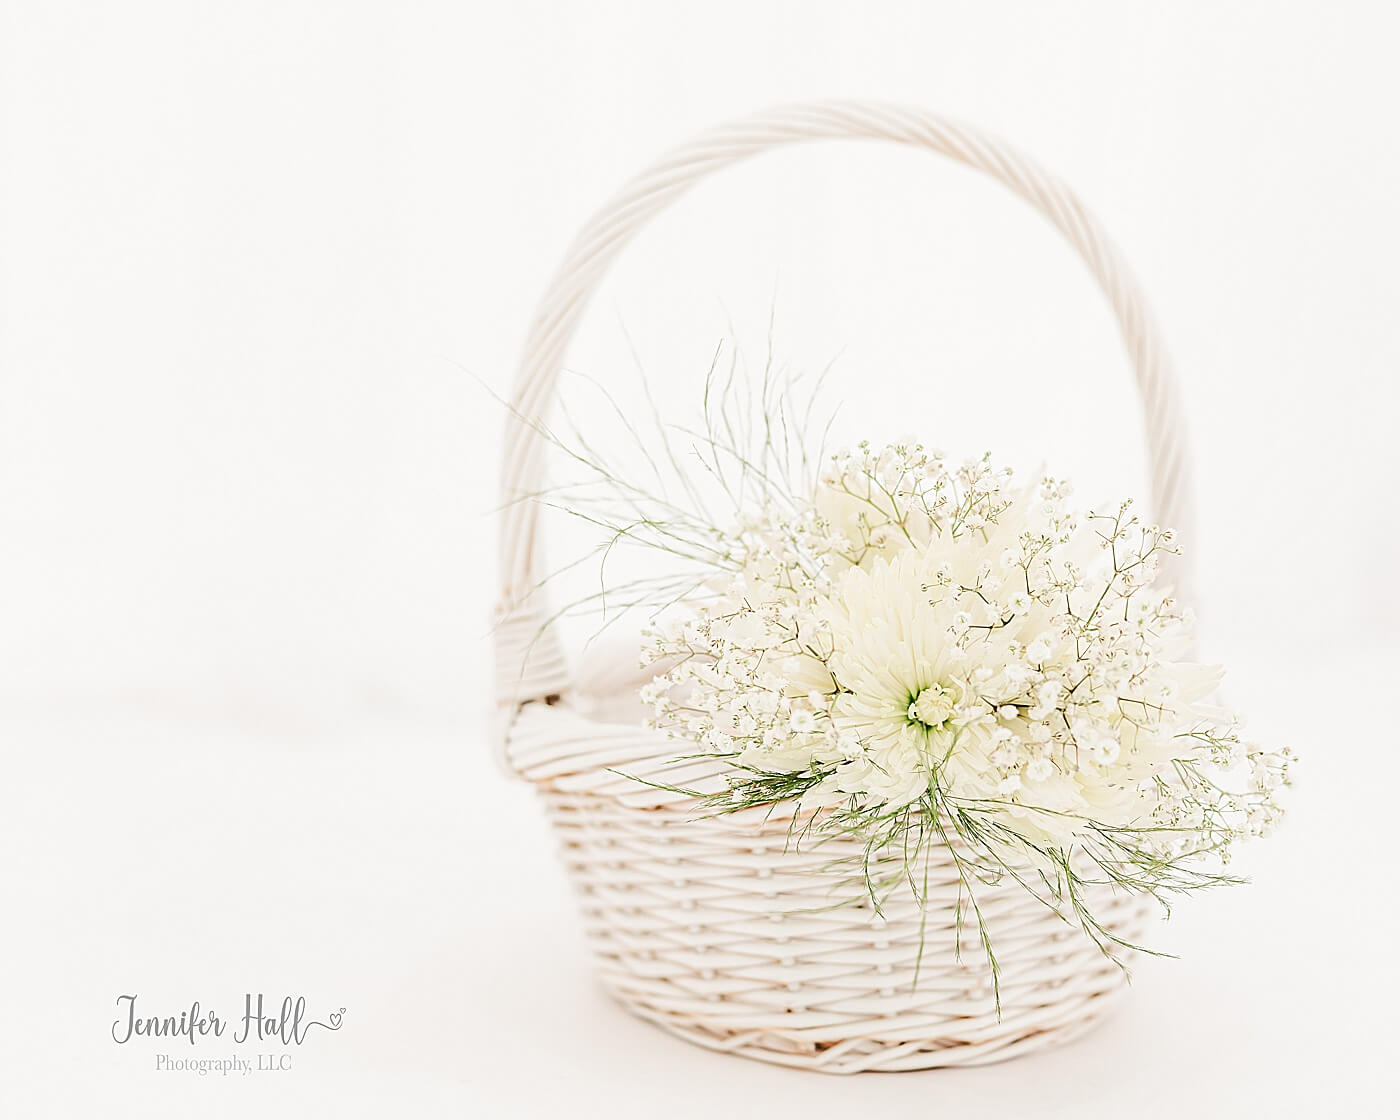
[(919, 635)]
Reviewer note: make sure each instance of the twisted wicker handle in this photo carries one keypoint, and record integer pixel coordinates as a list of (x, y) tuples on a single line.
[(530, 664)]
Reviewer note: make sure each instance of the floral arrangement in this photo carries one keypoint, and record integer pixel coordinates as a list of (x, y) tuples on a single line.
[(921, 653)]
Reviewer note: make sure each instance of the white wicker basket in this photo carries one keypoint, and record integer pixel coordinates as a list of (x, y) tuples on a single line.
[(709, 927)]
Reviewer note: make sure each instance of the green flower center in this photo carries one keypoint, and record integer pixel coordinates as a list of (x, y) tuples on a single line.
[(932, 706)]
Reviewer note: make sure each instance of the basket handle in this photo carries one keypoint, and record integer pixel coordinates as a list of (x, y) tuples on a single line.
[(530, 664)]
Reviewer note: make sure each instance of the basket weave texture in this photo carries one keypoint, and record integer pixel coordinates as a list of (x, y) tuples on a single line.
[(718, 929)]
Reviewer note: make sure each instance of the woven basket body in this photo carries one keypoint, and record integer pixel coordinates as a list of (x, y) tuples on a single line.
[(719, 929)]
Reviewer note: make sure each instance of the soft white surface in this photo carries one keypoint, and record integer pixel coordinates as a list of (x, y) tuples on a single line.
[(187, 859), (247, 253)]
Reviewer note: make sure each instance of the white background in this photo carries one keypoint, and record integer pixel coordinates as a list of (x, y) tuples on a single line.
[(256, 261)]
